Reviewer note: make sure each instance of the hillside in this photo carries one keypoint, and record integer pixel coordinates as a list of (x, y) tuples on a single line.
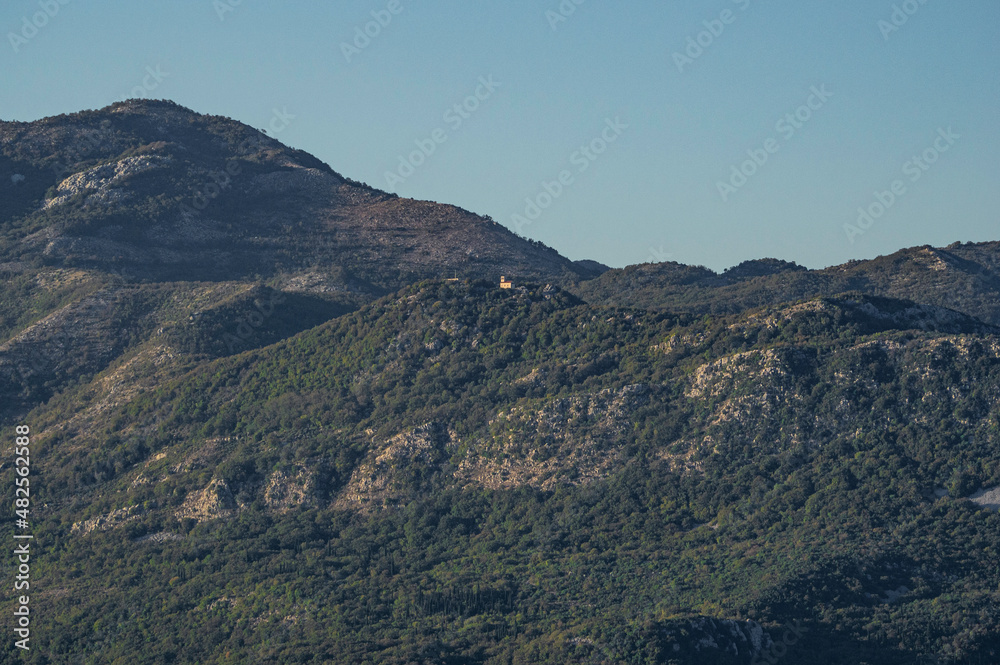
[(461, 474), (145, 219)]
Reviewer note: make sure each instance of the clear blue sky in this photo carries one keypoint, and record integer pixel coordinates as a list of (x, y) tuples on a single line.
[(654, 192)]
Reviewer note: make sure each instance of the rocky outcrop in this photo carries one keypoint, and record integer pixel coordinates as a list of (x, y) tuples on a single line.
[(286, 489), (100, 184), (397, 466), (987, 498), (214, 502), (571, 440), (107, 521)]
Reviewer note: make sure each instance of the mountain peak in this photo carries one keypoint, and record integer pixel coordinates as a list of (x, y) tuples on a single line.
[(166, 193), (761, 268)]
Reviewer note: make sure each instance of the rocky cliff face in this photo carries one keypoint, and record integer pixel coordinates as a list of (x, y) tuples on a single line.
[(566, 441)]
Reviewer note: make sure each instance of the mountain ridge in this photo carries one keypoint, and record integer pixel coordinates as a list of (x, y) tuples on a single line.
[(296, 419), (964, 276)]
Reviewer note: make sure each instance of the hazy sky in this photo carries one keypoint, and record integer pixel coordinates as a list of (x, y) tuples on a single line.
[(627, 133)]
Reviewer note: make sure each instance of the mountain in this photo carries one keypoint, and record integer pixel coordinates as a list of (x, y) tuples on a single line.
[(961, 276), (158, 192), (147, 219), (298, 421)]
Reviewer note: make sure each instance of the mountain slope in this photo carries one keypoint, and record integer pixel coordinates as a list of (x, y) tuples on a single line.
[(461, 474), (146, 220)]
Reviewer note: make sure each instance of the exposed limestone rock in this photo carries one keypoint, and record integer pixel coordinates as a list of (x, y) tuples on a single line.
[(101, 181), (208, 453), (59, 278), (571, 440), (747, 392), (107, 521), (987, 498), (720, 376), (378, 480), (289, 489), (535, 377), (772, 320), (213, 502), (140, 480)]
